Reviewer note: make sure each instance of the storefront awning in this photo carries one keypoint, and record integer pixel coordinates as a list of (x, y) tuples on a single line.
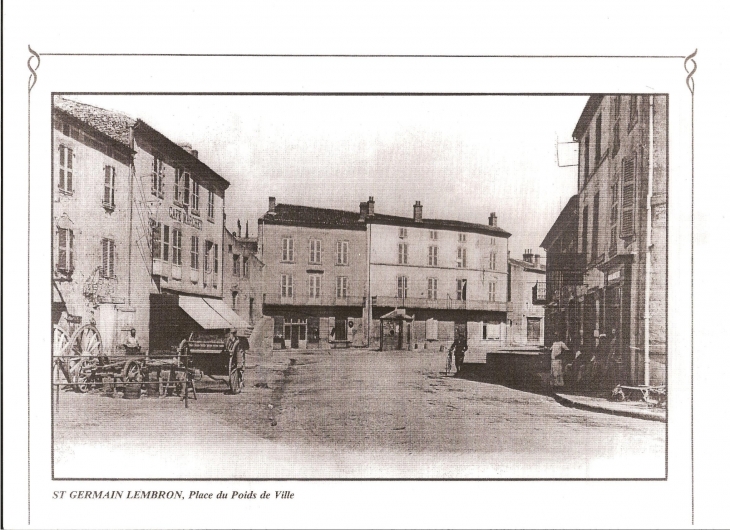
[(236, 321), (200, 311)]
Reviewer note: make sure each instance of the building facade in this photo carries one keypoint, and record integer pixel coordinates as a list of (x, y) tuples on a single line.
[(450, 276), (526, 309), (622, 223), (92, 172), (315, 275), (243, 280), (160, 228)]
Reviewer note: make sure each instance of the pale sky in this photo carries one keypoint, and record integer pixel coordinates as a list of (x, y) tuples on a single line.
[(461, 156)]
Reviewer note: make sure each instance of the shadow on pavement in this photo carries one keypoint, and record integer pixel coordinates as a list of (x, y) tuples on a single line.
[(528, 377)]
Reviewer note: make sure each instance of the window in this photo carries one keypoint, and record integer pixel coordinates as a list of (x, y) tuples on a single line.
[(287, 286), (215, 260), (343, 252), (629, 196), (433, 256), (176, 247), (287, 249), (462, 238), (402, 232), (614, 218), (594, 237), (492, 240), (165, 243), (194, 264), (461, 289), (402, 287), (207, 257), (315, 284), (491, 331), (633, 111), (586, 159), (109, 177), (492, 293), (158, 176), (211, 205), (107, 258), (461, 258), (182, 187), (492, 260), (234, 300), (195, 199), (433, 234), (403, 253), (65, 169), (315, 251), (584, 238), (616, 139), (598, 139), (246, 266), (236, 265), (65, 261), (156, 239), (342, 285), (433, 285)]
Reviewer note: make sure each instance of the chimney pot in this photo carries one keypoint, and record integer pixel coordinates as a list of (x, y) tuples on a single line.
[(371, 206), (493, 219), (272, 204), (418, 212)]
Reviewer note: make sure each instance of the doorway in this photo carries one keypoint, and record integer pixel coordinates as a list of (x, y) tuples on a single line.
[(533, 329)]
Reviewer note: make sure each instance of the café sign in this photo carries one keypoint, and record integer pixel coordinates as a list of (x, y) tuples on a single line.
[(183, 217)]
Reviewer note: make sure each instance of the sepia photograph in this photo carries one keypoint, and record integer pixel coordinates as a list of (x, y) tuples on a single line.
[(359, 286)]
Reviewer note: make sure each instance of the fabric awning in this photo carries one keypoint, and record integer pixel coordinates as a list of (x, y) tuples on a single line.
[(200, 311), (236, 321)]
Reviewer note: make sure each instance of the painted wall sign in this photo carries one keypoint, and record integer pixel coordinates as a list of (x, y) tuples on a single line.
[(183, 217)]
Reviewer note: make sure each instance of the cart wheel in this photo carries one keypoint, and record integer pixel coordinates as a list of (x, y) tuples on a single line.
[(82, 377), (86, 341), (61, 347), (133, 372), (235, 375)]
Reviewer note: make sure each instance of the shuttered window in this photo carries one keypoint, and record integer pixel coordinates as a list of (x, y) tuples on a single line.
[(629, 196), (403, 253), (287, 286), (492, 260), (211, 205), (287, 249), (433, 256), (343, 248), (65, 169), (433, 285), (341, 287), (109, 176), (315, 251), (315, 285), (65, 261), (194, 252), (107, 258), (195, 198), (461, 258)]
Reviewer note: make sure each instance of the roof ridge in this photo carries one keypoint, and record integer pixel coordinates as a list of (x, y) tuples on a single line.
[(110, 111)]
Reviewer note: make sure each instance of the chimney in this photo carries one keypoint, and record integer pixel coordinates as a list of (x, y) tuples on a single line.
[(363, 210), (527, 256), (238, 223), (246, 229), (492, 219), (536, 259), (371, 206), (418, 212), (272, 204)]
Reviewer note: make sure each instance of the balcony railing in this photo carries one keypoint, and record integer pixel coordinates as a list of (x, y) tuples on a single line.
[(441, 303)]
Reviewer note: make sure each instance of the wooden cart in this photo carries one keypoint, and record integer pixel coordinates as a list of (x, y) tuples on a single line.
[(215, 355)]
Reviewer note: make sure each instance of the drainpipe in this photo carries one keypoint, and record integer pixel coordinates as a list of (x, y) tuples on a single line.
[(368, 293), (131, 216), (647, 281)]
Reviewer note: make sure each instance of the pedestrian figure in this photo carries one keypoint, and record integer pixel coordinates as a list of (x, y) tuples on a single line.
[(131, 344), (556, 366), (459, 348)]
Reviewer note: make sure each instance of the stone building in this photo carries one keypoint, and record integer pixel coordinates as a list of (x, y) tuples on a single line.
[(243, 280), (92, 178), (151, 258), (526, 299), (315, 275), (622, 229), (450, 276)]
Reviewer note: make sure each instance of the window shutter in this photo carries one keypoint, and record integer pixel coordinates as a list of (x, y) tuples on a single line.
[(114, 174), (70, 250), (104, 258), (107, 185), (62, 256), (112, 252), (629, 196)]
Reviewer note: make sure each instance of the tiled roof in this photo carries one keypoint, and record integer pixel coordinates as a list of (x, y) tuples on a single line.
[(440, 224), (290, 214), (115, 125)]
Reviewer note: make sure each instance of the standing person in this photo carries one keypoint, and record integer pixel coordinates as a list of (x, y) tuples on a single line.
[(460, 353), (556, 365), (131, 344)]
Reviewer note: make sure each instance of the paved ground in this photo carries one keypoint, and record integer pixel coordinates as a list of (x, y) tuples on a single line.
[(350, 414)]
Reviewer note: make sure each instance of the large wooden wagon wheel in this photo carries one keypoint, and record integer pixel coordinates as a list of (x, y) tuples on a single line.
[(86, 348), (61, 348), (235, 374), (133, 372)]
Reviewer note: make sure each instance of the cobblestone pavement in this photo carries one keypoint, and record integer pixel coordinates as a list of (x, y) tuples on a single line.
[(350, 414)]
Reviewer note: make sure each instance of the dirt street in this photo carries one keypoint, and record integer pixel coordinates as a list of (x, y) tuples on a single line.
[(349, 414)]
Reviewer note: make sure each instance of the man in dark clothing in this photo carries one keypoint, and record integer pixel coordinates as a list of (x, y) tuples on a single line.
[(459, 348)]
